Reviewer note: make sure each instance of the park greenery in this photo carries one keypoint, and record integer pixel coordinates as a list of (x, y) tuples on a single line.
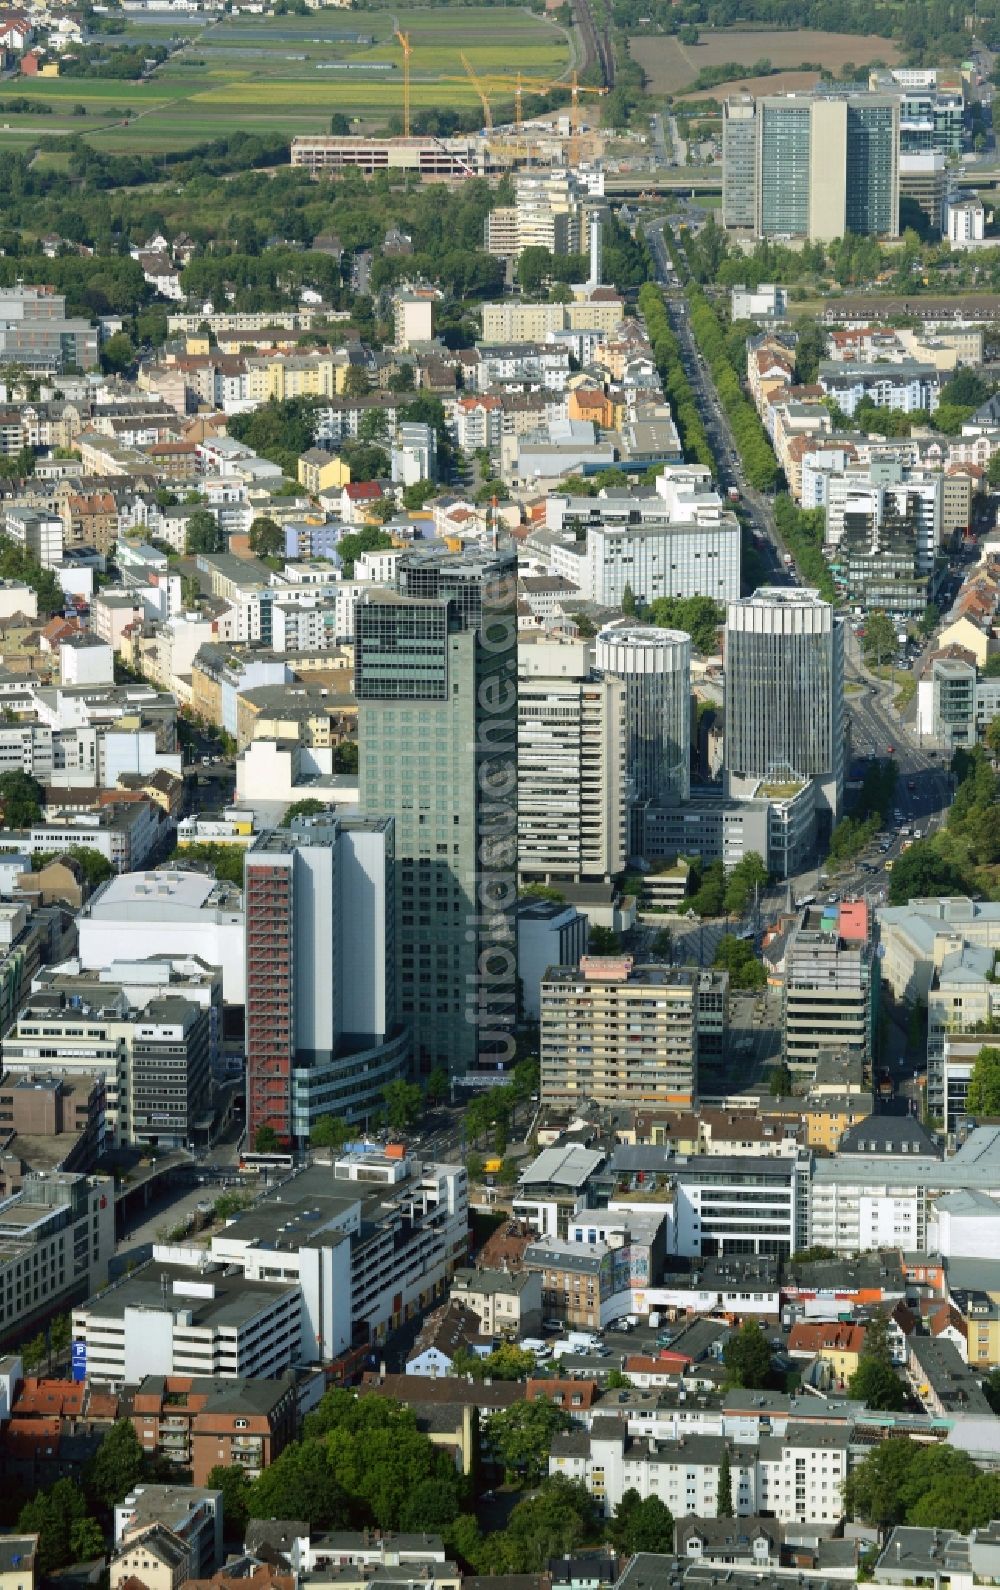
[(714, 892), (63, 1515), (801, 530), (747, 1358), (870, 807), (676, 385), (933, 1486), (759, 463), (963, 856), (697, 616), (21, 798), (363, 1463), (736, 957)]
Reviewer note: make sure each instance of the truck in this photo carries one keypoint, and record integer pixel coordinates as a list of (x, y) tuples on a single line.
[(786, 558), (653, 1319), (582, 1341), (733, 494)]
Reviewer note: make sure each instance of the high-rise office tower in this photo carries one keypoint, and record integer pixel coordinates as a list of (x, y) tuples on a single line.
[(739, 162), (436, 683), (784, 662), (571, 773), (823, 164), (323, 1034), (655, 667)]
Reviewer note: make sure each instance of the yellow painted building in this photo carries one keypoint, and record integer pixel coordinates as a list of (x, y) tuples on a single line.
[(282, 377), (319, 471), (828, 1117)]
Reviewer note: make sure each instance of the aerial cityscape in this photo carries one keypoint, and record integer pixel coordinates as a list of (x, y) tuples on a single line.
[(499, 795)]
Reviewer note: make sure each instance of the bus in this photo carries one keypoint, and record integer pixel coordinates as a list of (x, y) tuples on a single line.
[(266, 1164)]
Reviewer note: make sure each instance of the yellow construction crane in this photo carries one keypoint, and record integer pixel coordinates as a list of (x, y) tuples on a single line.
[(533, 85), (404, 39), (481, 92)]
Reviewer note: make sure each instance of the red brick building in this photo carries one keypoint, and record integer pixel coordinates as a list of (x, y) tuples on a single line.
[(200, 1423)]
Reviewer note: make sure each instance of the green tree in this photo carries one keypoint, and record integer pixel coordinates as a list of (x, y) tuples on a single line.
[(506, 1362), (879, 641), (930, 618), (21, 799), (266, 1140), (697, 616), (437, 1086), (116, 1465), (403, 1104), (310, 807), (369, 539), (747, 1357), (983, 1097), (432, 1506), (724, 1495), (603, 941), (736, 956), (373, 426), (521, 1437), (53, 1515), (628, 602), (355, 381), (232, 1481), (617, 1381), (708, 898), (923, 871), (203, 533), (993, 470), (301, 1483), (267, 539), (779, 1082), (560, 1516), (330, 1131), (117, 353), (420, 492), (641, 1524), (877, 1385), (743, 882), (86, 1540)]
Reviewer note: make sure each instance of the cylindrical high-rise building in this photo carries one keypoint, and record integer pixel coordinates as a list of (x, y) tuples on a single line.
[(784, 658), (655, 667)]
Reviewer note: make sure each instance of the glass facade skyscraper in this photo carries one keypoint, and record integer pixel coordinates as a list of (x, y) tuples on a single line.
[(785, 144), (784, 662), (436, 683), (813, 165)]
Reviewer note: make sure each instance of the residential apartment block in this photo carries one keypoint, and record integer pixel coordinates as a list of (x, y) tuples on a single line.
[(617, 1032)]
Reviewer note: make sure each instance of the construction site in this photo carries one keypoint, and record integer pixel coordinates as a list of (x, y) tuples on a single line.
[(560, 137)]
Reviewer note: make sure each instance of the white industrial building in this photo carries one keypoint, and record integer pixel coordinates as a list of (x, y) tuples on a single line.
[(371, 1240), (169, 912)]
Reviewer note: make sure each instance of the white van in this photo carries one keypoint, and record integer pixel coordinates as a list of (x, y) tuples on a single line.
[(533, 1344)]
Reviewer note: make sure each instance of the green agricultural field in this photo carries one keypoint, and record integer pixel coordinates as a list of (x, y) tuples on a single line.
[(290, 74)]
